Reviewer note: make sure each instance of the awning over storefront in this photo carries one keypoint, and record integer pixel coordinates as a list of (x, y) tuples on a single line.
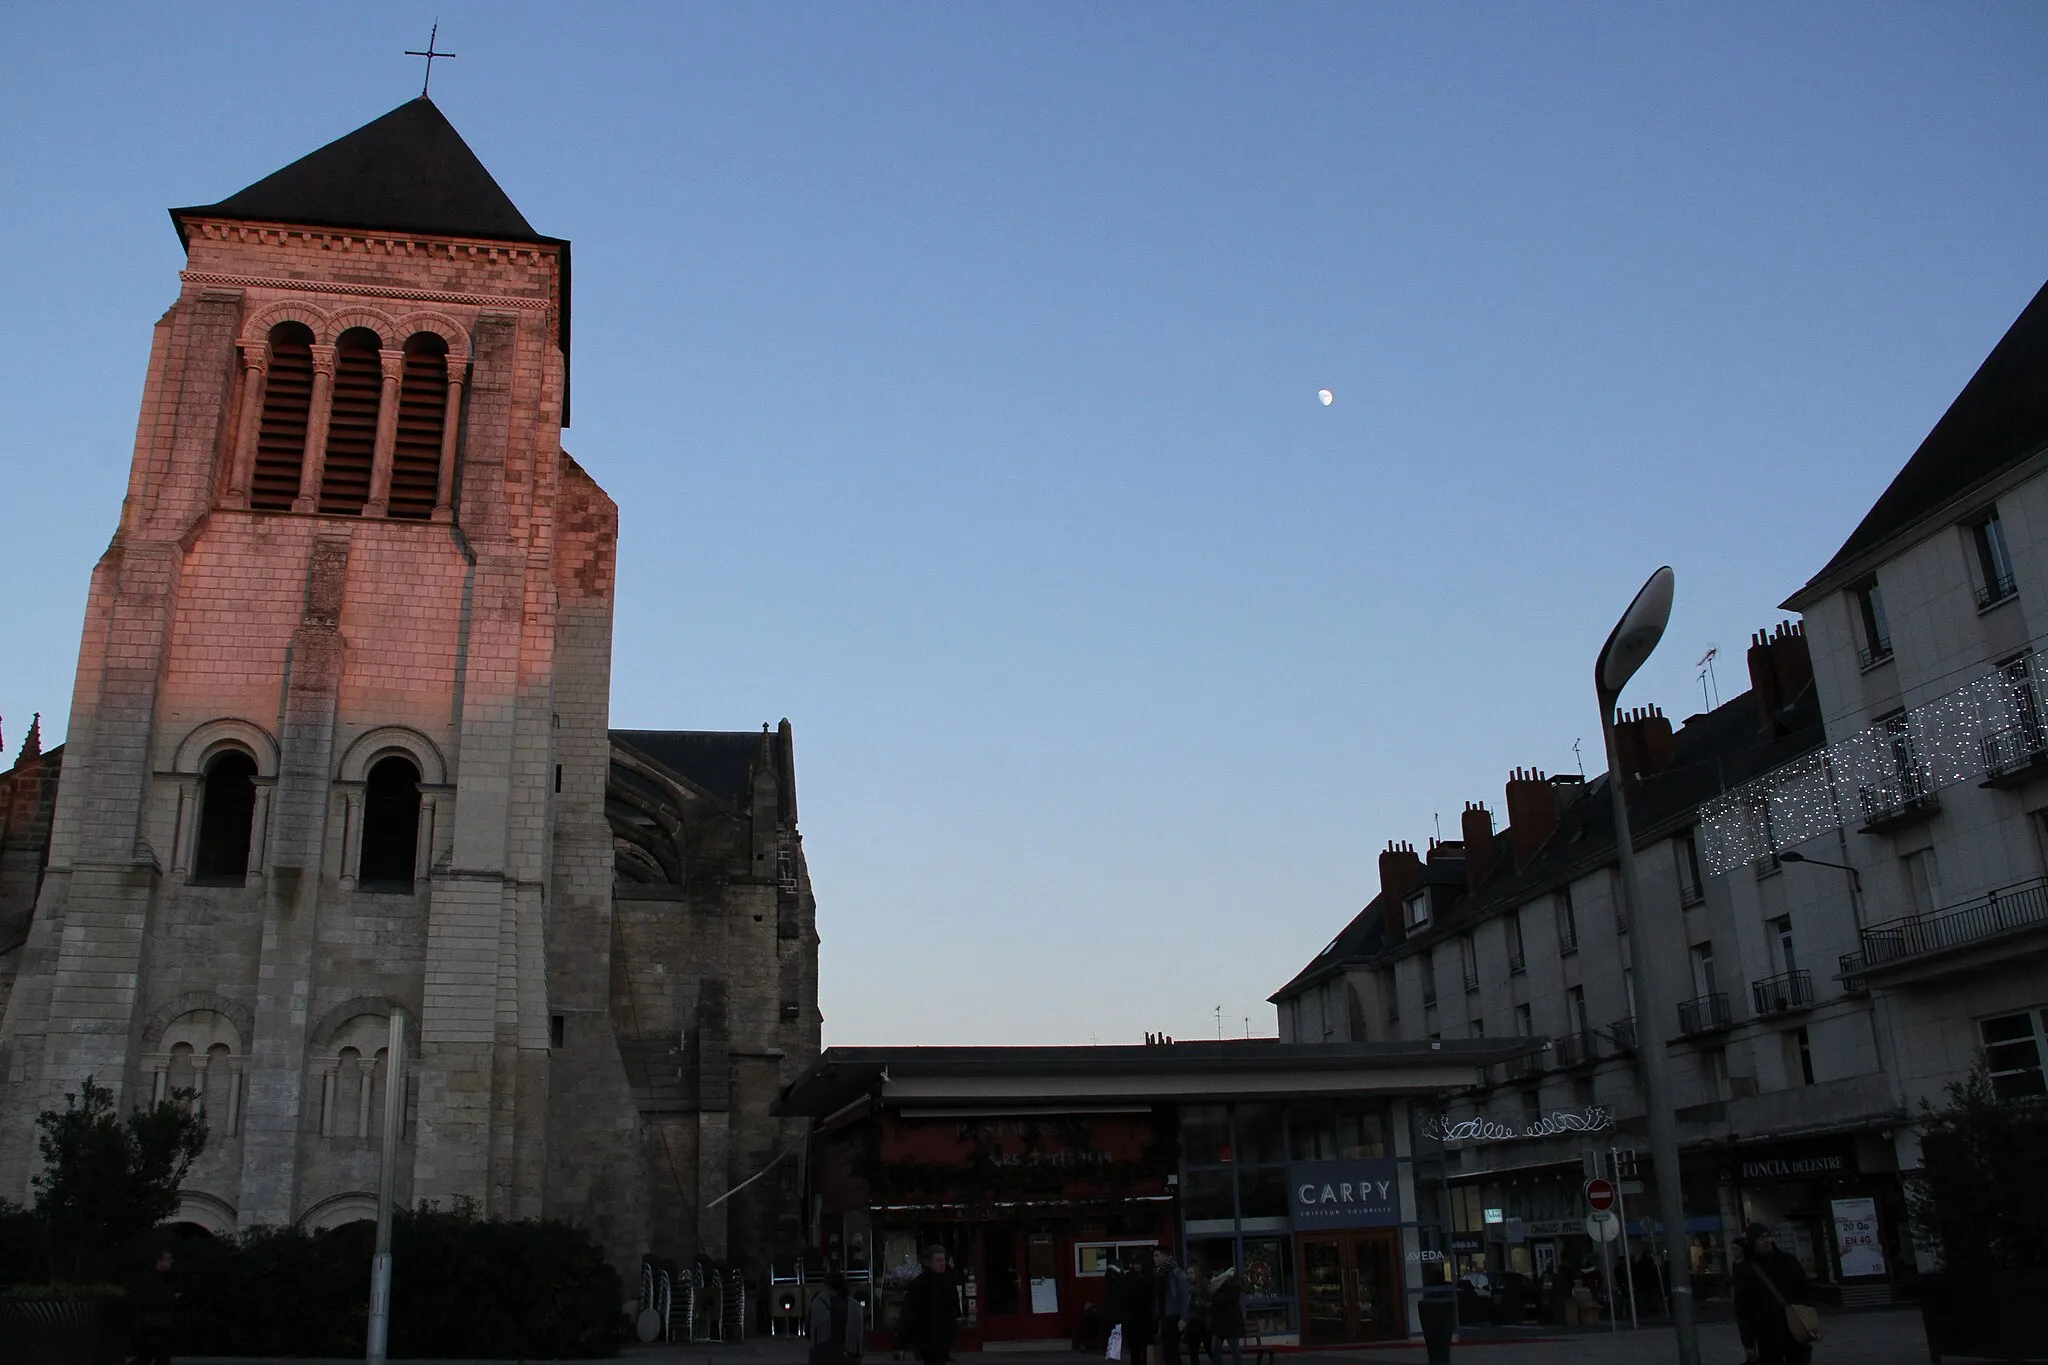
[(1234, 1069)]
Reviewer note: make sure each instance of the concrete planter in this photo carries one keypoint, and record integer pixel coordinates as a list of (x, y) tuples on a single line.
[(1995, 1314), (86, 1331)]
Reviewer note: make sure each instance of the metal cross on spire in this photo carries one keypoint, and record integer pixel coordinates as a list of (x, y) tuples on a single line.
[(429, 54)]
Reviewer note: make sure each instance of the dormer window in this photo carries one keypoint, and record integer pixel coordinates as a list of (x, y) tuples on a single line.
[(1418, 910)]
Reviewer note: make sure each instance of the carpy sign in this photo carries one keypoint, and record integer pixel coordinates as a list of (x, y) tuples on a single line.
[(1365, 1193)]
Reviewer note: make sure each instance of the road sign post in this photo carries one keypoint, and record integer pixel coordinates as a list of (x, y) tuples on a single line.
[(1600, 1199), (1635, 1321)]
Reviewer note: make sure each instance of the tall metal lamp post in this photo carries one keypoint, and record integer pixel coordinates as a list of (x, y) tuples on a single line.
[(1627, 648), (387, 1171)]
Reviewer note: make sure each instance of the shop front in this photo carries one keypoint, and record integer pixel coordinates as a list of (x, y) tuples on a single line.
[(1832, 1202), (1042, 1171)]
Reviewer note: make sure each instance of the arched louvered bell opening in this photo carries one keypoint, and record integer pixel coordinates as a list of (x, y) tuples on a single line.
[(287, 403), (422, 412), (352, 423)]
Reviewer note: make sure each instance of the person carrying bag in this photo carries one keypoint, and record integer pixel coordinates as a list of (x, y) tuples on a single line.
[(1773, 1308)]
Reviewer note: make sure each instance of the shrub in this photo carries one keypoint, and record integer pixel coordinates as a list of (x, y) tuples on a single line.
[(462, 1286), (107, 1180), (1983, 1195)]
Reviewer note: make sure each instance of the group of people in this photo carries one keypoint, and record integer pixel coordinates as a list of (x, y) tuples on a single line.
[(1157, 1304)]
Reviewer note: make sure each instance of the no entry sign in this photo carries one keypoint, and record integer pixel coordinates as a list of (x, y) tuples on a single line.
[(1599, 1195)]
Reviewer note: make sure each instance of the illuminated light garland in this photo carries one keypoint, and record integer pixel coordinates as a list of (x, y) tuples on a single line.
[(1594, 1118), (1987, 726)]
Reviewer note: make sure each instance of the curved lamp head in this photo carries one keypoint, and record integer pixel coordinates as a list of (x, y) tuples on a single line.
[(1635, 635)]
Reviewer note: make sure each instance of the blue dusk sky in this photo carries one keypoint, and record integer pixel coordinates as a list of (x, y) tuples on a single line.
[(954, 368)]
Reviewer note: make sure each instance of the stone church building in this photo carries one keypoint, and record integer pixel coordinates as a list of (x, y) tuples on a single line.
[(339, 743)]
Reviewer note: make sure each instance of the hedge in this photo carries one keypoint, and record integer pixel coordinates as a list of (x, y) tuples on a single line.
[(462, 1286)]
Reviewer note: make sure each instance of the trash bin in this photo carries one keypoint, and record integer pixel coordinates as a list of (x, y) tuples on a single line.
[(1439, 1318)]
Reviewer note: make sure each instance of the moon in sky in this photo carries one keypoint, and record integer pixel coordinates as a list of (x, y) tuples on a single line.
[(1327, 397)]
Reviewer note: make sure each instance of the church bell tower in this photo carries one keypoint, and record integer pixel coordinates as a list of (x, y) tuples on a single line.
[(337, 742)]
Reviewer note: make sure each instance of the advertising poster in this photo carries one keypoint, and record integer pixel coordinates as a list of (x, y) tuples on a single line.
[(1856, 1240)]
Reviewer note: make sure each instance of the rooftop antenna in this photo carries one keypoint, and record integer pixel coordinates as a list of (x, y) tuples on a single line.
[(1581, 758), (1219, 1023), (429, 54), (1439, 825), (1706, 668)]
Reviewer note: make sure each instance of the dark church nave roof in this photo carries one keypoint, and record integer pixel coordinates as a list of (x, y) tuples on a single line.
[(409, 171)]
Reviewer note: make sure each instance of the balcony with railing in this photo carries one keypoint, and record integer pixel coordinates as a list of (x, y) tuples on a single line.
[(1851, 975), (1936, 944), (1471, 979), (1783, 993), (1577, 1049), (1521, 1068), (2015, 739), (1871, 655), (1997, 589), (1893, 805), (1704, 1014), (1517, 964), (1567, 938), (1623, 1032), (1691, 893)]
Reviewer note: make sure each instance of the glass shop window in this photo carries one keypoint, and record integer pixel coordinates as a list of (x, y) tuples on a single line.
[(1205, 1135)]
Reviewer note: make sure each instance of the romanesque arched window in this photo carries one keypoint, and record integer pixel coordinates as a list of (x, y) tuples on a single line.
[(353, 1077), (422, 414), (391, 825), (227, 808), (287, 403), (204, 1059), (352, 423)]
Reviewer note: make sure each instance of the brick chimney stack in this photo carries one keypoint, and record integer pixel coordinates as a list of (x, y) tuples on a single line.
[(1479, 856), (1532, 813), (1779, 668), (1644, 743), (1400, 873)]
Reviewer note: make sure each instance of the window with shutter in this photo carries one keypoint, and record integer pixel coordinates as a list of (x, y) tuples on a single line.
[(422, 410), (287, 402), (352, 423)]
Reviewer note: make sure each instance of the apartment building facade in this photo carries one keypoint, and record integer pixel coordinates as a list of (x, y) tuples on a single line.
[(1843, 879), (1925, 630), (1786, 1111)]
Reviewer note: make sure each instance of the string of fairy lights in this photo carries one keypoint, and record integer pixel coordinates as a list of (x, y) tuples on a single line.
[(1986, 727)]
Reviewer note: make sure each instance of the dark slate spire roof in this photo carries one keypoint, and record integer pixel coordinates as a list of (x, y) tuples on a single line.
[(1999, 419), (409, 171)]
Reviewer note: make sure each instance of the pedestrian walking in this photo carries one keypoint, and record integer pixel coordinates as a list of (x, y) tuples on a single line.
[(1140, 1309), (153, 1303), (1774, 1303), (1171, 1305), (1196, 1333), (838, 1334), (1226, 1317), (931, 1312)]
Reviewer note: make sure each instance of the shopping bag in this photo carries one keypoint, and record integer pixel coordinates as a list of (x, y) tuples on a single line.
[(1116, 1343), (1802, 1322)]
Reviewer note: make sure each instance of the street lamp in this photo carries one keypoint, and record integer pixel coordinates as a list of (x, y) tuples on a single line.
[(1793, 855), (1626, 650)]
